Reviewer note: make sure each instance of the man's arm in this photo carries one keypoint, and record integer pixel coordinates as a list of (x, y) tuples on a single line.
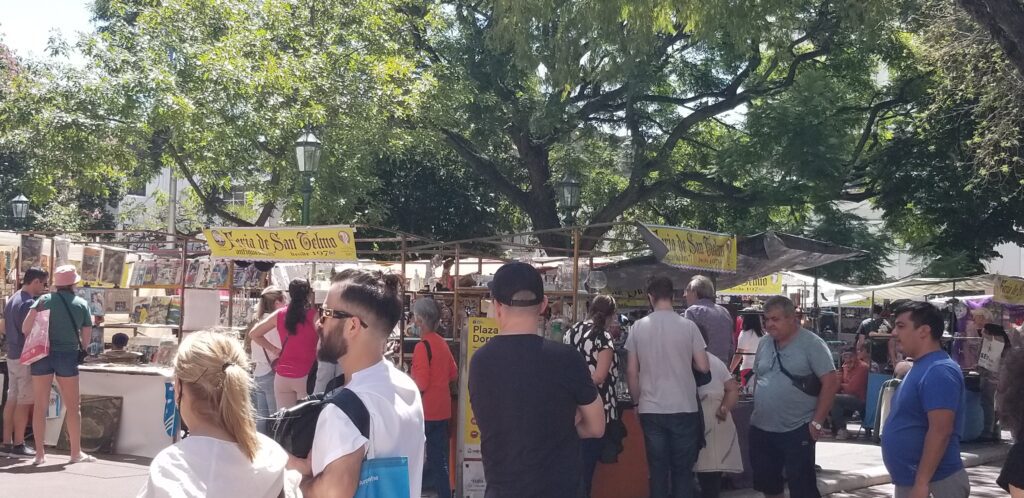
[(940, 428), (700, 361), (829, 387), (591, 424), (340, 478), (633, 376)]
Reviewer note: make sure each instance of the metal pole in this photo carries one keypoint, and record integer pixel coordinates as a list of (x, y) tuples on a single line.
[(401, 324), (456, 325), (307, 192), (575, 273)]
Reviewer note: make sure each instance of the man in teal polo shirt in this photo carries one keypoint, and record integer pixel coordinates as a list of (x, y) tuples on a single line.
[(921, 442)]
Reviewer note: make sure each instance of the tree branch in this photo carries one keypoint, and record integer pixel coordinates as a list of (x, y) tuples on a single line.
[(1004, 20), (210, 203), (484, 167)]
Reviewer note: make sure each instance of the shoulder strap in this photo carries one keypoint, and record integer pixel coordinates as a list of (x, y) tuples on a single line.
[(350, 403), (78, 328), (430, 354)]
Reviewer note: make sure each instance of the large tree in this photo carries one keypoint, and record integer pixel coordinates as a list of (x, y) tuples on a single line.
[(717, 102)]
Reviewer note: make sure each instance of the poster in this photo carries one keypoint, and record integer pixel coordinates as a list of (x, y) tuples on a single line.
[(113, 266), (474, 484), (991, 353), (62, 247), (168, 272), (481, 330), (770, 285), (95, 298), (118, 301), (92, 264), (694, 249), (31, 252), (328, 244)]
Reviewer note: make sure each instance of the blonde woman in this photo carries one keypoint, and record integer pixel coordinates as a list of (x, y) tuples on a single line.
[(271, 300), (223, 455)]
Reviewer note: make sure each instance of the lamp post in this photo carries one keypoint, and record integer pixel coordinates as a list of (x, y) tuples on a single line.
[(569, 198), (307, 156), (19, 209)]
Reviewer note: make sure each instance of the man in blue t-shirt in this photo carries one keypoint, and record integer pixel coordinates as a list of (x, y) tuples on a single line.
[(19, 391), (921, 441)]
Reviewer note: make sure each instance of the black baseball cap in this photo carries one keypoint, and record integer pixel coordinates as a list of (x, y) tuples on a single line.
[(516, 278)]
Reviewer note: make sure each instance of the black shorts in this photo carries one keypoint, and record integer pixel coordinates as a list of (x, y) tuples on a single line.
[(772, 453)]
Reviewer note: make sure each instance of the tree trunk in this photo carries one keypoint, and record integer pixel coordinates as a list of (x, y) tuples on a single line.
[(1004, 20)]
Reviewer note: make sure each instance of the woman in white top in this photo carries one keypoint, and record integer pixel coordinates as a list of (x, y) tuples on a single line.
[(223, 456), (746, 346), (271, 299)]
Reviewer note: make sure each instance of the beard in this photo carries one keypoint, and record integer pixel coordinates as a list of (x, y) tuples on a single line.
[(333, 344)]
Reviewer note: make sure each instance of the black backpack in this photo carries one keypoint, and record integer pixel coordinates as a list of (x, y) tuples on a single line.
[(293, 428)]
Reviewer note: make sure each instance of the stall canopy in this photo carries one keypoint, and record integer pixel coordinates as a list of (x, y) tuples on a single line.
[(757, 255), (911, 288)]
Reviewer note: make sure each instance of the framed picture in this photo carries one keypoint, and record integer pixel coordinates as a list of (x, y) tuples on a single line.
[(101, 420)]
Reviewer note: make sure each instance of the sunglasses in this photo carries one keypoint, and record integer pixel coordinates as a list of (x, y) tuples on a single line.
[(340, 315)]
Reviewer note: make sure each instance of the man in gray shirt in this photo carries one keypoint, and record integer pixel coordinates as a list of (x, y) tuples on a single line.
[(662, 382), (787, 419), (714, 321)]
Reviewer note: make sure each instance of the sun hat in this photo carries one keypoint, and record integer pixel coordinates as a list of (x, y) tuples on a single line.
[(66, 275)]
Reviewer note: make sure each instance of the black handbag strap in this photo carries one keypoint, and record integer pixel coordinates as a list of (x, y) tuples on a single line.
[(78, 328)]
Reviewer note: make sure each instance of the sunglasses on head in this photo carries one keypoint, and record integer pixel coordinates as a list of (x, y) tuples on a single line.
[(340, 315)]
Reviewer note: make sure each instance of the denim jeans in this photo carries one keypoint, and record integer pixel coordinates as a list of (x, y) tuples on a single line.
[(263, 400), (671, 442), (435, 466)]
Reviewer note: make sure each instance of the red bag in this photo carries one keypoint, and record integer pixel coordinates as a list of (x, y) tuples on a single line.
[(37, 342)]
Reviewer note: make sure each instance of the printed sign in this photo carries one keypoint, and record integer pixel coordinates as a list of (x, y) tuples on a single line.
[(770, 285), (1007, 290), (481, 330), (694, 249), (328, 244), (991, 352)]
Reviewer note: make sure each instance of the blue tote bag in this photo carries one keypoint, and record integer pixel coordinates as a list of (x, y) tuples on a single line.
[(378, 477)]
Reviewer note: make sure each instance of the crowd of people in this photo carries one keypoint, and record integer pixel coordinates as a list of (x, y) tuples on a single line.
[(546, 411)]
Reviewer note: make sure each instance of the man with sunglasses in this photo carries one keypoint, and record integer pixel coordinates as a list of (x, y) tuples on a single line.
[(359, 313), (796, 383)]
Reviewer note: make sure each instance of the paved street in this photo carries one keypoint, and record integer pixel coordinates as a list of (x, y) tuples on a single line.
[(983, 485)]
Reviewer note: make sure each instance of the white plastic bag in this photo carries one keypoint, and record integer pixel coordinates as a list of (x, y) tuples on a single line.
[(37, 342)]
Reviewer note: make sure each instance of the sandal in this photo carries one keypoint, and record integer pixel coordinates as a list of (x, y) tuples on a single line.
[(83, 458), (39, 461)]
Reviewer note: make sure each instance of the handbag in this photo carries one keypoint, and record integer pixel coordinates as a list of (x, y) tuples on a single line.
[(37, 341), (808, 384), (78, 329)]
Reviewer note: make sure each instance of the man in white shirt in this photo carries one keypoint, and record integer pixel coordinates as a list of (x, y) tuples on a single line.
[(360, 311)]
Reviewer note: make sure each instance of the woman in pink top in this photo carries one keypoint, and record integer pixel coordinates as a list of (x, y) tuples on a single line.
[(297, 326)]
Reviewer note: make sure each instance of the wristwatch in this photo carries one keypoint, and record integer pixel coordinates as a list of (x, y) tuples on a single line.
[(816, 425)]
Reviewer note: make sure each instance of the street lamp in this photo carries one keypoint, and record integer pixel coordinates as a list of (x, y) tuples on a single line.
[(19, 208), (307, 155), (569, 196)]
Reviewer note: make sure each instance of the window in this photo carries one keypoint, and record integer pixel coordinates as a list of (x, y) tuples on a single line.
[(235, 196)]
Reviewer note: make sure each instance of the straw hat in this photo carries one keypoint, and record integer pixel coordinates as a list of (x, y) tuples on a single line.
[(66, 275)]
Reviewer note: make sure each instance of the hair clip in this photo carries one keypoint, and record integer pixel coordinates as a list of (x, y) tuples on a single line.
[(225, 367)]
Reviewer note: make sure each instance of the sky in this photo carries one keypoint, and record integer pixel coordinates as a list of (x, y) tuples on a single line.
[(25, 26)]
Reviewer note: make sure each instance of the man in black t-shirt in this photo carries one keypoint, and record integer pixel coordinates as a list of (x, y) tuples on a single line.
[(533, 399), (879, 348)]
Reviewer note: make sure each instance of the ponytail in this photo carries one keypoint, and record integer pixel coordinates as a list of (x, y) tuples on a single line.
[(236, 413), (299, 291), (601, 308), (211, 367)]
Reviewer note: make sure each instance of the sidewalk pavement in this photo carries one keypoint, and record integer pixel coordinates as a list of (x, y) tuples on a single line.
[(852, 465), (847, 466)]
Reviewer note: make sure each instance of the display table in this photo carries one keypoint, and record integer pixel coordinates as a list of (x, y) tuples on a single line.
[(146, 393)]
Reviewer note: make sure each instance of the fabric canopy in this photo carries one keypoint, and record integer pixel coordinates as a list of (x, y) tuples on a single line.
[(911, 288), (757, 256)]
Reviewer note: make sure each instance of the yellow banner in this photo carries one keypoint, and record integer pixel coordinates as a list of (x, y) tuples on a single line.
[(1008, 290), (327, 243), (481, 330), (770, 285), (697, 249)]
